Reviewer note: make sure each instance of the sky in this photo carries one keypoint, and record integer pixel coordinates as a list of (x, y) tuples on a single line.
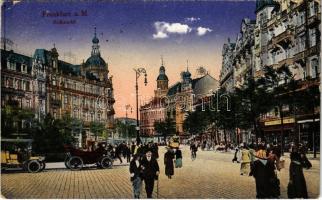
[(132, 34)]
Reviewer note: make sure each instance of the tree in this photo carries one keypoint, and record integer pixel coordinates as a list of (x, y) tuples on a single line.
[(166, 127), (51, 134), (97, 129), (309, 100), (279, 82), (193, 123), (250, 101), (15, 120)]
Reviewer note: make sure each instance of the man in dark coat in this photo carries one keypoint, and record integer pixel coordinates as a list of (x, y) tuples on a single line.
[(168, 162), (132, 148), (267, 185), (118, 151), (297, 185), (150, 173)]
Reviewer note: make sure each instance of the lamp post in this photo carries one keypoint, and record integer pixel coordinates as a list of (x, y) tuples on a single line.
[(138, 73), (127, 107)]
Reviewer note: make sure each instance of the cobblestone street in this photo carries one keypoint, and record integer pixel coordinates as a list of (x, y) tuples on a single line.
[(211, 175)]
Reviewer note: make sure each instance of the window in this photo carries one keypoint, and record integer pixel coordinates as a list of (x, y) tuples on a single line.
[(19, 84), (74, 100), (99, 117), (53, 95), (315, 68), (312, 10), (301, 18), (24, 68), (65, 99), (54, 80), (27, 86), (301, 43), (312, 37), (28, 103)]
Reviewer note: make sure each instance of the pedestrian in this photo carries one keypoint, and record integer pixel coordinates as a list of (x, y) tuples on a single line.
[(267, 183), (304, 160), (155, 151), (194, 149), (133, 146), (245, 161), (235, 155), (128, 153), (136, 176), (178, 161), (118, 152), (168, 162), (297, 185), (151, 171)]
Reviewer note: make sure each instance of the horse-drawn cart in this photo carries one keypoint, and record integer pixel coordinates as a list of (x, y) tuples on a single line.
[(76, 158)]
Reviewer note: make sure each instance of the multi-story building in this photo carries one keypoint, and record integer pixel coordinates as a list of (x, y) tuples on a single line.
[(154, 110), (286, 33), (243, 53), (49, 85), (227, 71), (182, 96)]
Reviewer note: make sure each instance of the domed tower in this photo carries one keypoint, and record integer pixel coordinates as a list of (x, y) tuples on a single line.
[(162, 82), (95, 66)]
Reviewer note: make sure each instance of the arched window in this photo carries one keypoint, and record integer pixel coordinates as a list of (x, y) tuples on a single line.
[(315, 68)]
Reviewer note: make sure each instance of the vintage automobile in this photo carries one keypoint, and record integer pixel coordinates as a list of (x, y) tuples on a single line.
[(16, 153), (77, 158)]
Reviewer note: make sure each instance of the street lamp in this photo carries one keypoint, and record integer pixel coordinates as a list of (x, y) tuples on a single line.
[(138, 73), (127, 107)]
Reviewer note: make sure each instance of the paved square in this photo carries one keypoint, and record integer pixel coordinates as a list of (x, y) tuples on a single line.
[(211, 175)]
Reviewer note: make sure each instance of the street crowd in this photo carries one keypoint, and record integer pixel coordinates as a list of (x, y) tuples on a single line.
[(262, 161)]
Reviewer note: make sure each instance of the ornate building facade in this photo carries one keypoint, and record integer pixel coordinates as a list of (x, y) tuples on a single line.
[(285, 33), (184, 95), (227, 71), (46, 84), (155, 109)]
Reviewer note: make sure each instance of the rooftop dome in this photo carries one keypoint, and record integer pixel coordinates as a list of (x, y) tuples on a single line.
[(263, 3), (95, 40), (162, 77), (95, 61)]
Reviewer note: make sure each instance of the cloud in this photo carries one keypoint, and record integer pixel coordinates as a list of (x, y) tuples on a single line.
[(160, 35), (163, 29), (203, 31), (192, 19)]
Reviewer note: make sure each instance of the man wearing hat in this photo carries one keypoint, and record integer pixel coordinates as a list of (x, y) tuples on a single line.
[(150, 172)]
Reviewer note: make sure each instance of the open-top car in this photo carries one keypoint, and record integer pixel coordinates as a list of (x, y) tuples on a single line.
[(16, 153)]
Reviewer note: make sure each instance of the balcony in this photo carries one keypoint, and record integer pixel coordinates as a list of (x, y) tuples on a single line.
[(300, 29), (314, 20), (42, 94), (285, 38), (55, 103), (12, 91), (315, 50), (287, 62)]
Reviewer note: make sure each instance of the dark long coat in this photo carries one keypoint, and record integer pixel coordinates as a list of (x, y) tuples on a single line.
[(150, 168), (297, 188), (264, 178), (168, 161)]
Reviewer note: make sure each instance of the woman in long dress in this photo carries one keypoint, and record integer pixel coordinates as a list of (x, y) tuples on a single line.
[(245, 161), (168, 162)]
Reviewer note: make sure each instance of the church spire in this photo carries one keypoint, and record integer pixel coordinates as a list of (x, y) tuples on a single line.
[(187, 65), (95, 46)]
